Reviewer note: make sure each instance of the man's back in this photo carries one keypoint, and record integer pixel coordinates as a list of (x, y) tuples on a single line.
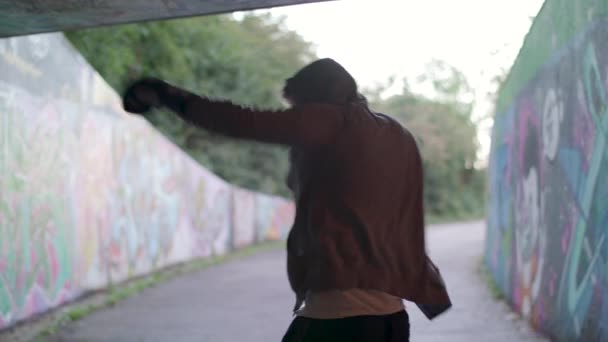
[(364, 210)]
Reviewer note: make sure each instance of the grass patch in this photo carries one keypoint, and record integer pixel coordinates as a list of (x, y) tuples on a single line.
[(117, 293), (79, 312)]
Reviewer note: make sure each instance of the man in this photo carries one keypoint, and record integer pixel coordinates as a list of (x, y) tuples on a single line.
[(357, 246)]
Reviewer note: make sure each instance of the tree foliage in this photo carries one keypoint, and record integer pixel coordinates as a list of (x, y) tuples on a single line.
[(244, 60), (247, 61), (440, 119)]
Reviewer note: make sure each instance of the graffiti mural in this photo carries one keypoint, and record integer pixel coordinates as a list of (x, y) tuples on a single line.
[(243, 217), (209, 212), (90, 195), (547, 243), (36, 265), (274, 217)]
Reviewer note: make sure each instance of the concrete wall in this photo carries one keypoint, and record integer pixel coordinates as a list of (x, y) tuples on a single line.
[(21, 17), (90, 195), (547, 238)]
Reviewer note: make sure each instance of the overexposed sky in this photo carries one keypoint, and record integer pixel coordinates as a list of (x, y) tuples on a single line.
[(376, 39)]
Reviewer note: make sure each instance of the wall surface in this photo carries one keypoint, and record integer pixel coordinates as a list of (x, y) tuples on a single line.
[(90, 195), (21, 17), (547, 239)]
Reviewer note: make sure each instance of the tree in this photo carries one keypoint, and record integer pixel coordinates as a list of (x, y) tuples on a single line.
[(441, 122), (246, 61)]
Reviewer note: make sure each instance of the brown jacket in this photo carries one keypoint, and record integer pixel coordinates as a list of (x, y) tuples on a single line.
[(361, 204)]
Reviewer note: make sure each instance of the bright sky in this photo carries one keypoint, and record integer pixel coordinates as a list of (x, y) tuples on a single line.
[(375, 39)]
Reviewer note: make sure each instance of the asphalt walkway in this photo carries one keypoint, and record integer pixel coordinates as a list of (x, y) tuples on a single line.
[(250, 300)]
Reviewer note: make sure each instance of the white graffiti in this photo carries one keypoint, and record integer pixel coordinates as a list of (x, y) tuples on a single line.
[(553, 114), (530, 236), (529, 213), (213, 234)]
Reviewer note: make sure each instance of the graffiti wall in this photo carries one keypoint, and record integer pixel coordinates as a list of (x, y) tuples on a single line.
[(90, 195), (547, 239)]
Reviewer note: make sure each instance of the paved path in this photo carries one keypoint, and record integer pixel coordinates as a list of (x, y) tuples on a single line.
[(250, 300)]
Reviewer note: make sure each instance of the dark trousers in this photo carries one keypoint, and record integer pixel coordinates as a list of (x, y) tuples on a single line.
[(389, 328)]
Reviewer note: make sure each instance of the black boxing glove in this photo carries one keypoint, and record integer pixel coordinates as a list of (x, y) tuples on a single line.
[(147, 93), (142, 95)]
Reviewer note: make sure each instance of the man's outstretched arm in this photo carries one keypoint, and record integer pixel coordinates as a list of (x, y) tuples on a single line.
[(313, 124)]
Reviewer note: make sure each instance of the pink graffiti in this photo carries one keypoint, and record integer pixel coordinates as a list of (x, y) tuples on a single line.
[(33, 257), (583, 128), (52, 257), (517, 295), (34, 302), (281, 221), (40, 279), (552, 281), (538, 312)]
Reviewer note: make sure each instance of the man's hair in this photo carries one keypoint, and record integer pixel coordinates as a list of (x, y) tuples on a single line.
[(322, 81)]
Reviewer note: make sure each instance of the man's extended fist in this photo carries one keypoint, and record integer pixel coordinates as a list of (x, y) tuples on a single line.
[(143, 94)]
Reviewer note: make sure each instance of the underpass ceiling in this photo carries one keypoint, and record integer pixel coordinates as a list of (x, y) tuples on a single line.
[(22, 17)]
